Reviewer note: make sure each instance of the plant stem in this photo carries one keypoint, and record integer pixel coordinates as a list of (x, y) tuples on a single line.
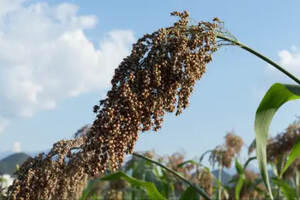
[(243, 46), (296, 179), (220, 182), (199, 190)]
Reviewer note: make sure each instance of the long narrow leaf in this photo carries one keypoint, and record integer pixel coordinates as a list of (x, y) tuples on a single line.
[(287, 190), (294, 154), (276, 96), (248, 161), (188, 162), (150, 188), (239, 185), (238, 166)]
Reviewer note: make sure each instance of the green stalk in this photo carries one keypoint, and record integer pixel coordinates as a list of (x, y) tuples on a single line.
[(220, 182), (243, 46), (197, 189), (296, 181), (279, 169)]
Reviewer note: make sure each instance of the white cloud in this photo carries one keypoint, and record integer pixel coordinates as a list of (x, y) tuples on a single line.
[(45, 56), (17, 147), (290, 59)]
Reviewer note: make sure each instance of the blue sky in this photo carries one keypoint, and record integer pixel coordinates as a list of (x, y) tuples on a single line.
[(58, 57)]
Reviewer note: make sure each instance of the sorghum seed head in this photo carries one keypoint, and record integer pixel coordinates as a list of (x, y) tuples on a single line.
[(157, 77)]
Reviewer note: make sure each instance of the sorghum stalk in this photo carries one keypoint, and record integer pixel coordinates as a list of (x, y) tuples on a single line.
[(256, 53), (219, 194)]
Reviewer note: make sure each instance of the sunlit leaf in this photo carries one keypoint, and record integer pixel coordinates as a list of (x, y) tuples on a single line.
[(275, 97), (239, 186)]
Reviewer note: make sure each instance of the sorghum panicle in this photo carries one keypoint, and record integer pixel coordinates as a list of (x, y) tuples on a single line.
[(157, 77), (224, 154), (204, 178)]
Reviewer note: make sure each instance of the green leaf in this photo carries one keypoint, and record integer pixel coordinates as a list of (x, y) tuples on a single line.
[(239, 168), (239, 186), (252, 147), (87, 192), (190, 194), (276, 96), (150, 188), (294, 154), (202, 156), (188, 162), (290, 193), (248, 161)]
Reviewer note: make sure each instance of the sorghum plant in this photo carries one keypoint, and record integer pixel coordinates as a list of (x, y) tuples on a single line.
[(157, 77), (204, 178), (223, 155), (251, 189)]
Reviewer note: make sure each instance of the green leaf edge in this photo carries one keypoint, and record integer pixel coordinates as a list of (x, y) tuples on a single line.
[(281, 93)]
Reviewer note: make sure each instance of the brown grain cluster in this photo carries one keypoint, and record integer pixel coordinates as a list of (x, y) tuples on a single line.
[(283, 143), (224, 154), (204, 178), (157, 77), (280, 146), (55, 175)]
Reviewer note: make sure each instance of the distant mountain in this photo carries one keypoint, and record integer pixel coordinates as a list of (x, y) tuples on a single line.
[(4, 154), (9, 163)]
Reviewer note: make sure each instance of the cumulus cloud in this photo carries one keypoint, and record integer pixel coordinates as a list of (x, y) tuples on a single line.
[(291, 59), (46, 56)]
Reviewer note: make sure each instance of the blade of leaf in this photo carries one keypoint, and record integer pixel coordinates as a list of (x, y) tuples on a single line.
[(239, 168), (190, 194), (294, 154), (88, 190), (252, 147), (276, 96), (248, 161), (188, 162), (239, 186), (202, 156), (289, 193), (150, 188)]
